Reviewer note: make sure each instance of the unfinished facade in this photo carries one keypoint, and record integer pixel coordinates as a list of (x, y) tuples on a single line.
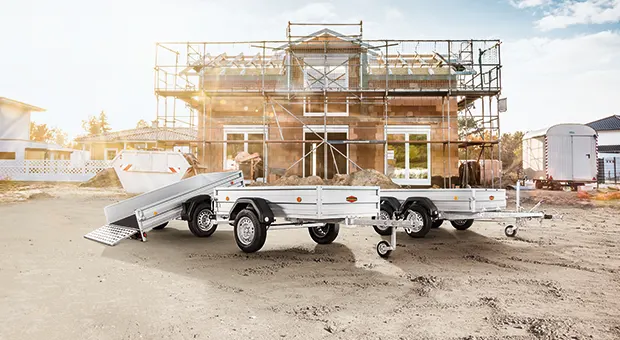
[(327, 102)]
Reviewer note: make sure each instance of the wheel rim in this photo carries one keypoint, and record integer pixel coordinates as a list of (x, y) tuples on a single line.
[(383, 248), (320, 231), (245, 230), (460, 222), (418, 221), (383, 215), (204, 221)]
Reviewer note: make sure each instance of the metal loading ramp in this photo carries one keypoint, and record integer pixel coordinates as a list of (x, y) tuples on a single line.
[(111, 234)]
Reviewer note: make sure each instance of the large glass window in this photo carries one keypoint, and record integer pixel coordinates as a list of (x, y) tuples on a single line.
[(246, 156), (408, 160)]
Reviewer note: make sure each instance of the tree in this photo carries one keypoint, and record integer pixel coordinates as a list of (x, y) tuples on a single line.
[(512, 151), (142, 124), (104, 126), (42, 133), (96, 125)]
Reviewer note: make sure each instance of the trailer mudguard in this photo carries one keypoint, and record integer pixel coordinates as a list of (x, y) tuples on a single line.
[(190, 205), (259, 205), (391, 201), (424, 202)]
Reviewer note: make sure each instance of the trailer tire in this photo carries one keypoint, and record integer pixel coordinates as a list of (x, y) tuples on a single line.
[(386, 211), (250, 234), (538, 184), (436, 224), (462, 224), (325, 234), (161, 226), (201, 224), (419, 215)]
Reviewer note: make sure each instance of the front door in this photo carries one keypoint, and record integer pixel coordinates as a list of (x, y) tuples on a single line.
[(584, 158), (314, 162)]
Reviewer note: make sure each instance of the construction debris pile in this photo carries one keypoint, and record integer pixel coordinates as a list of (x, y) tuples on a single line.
[(104, 179), (369, 177)]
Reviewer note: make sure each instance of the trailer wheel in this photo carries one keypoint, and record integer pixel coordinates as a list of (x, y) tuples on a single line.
[(421, 222), (510, 231), (538, 184), (325, 234), (250, 234), (385, 213), (161, 226), (383, 249), (437, 224), (462, 224), (201, 224)]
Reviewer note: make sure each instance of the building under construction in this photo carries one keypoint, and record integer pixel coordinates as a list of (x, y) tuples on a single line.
[(332, 102)]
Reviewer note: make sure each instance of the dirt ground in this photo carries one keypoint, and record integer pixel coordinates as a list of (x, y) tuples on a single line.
[(558, 281)]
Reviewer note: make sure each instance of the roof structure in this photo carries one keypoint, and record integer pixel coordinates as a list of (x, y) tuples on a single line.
[(609, 148), (147, 134), (24, 106), (606, 124)]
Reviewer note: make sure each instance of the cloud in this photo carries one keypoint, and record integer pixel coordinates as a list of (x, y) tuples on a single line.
[(551, 81), (393, 14), (563, 14), (529, 3), (581, 12)]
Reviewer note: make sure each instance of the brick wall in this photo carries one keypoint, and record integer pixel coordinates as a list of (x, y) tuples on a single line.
[(365, 123)]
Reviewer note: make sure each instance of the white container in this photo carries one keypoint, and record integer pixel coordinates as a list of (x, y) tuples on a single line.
[(142, 171), (564, 153)]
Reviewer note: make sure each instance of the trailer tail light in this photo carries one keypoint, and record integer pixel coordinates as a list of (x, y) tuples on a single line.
[(232, 182), (491, 197), (351, 199), (298, 199)]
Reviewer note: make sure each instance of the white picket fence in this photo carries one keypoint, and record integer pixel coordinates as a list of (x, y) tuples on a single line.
[(51, 170)]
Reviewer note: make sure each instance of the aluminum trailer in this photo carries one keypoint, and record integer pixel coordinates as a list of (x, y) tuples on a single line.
[(429, 208), (190, 199), (252, 211)]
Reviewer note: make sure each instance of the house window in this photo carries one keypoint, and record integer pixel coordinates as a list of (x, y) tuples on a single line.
[(319, 77), (7, 155), (408, 162), (336, 107), (109, 154), (246, 156), (314, 160)]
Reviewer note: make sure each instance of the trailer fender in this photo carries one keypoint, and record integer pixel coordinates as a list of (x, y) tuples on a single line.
[(390, 201), (192, 203), (259, 205), (423, 202)]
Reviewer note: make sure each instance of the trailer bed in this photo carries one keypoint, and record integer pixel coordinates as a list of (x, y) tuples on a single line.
[(151, 209), (309, 203), (465, 200)]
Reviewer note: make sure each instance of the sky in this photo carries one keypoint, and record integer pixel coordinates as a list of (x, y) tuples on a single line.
[(76, 58)]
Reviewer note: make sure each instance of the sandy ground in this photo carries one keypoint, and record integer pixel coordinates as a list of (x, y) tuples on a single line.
[(559, 281)]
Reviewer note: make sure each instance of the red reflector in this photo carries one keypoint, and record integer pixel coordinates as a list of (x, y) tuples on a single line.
[(144, 234), (174, 171), (351, 199), (491, 197)]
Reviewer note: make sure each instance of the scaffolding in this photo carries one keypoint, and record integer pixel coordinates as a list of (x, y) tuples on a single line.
[(326, 73)]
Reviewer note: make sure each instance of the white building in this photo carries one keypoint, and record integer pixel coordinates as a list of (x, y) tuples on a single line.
[(608, 130), (15, 143)]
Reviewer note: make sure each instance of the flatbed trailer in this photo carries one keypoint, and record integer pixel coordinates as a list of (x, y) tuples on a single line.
[(189, 199), (429, 208), (252, 211)]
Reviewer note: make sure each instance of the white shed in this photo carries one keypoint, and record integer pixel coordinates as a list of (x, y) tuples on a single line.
[(562, 155)]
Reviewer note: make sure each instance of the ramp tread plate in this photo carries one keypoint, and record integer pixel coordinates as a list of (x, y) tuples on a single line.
[(111, 234)]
